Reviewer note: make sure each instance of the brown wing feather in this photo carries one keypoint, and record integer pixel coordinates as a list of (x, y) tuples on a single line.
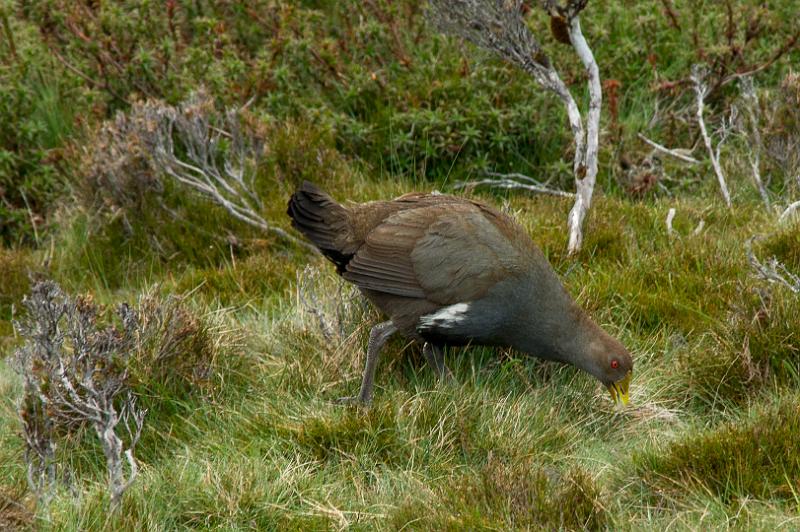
[(442, 249)]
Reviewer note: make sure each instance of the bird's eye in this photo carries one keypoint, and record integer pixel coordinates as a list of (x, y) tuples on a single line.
[(614, 364)]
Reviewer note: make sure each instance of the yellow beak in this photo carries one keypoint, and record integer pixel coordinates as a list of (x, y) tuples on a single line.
[(619, 389)]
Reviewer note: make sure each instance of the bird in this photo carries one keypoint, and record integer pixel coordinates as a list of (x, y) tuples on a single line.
[(450, 271)]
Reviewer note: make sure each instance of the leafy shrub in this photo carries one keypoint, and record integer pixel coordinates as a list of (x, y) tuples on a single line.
[(38, 110)]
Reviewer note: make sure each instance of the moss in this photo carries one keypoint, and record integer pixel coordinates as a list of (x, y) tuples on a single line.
[(758, 457)]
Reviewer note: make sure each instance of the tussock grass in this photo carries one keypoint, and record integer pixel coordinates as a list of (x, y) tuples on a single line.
[(754, 457), (262, 444)]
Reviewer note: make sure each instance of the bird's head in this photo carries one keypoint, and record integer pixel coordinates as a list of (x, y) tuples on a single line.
[(613, 366)]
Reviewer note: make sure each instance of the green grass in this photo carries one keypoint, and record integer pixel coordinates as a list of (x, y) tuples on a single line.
[(370, 107), (506, 445)]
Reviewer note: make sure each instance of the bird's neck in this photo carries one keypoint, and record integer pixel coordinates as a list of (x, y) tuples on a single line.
[(552, 326)]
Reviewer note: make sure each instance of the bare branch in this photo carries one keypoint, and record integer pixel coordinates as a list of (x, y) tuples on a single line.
[(677, 153), (670, 217), (585, 183), (786, 214), (510, 184), (498, 26), (219, 161), (698, 78), (773, 271), (752, 131)]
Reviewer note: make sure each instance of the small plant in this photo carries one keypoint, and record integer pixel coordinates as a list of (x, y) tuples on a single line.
[(76, 375)]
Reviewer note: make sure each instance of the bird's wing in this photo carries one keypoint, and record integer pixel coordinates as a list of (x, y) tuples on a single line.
[(443, 253)]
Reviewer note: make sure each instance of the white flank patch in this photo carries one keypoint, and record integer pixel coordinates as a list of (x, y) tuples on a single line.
[(446, 317)]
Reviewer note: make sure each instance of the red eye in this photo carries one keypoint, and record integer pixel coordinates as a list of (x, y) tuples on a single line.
[(614, 364)]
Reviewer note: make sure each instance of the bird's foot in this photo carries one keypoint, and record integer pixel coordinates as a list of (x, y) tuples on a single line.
[(355, 400)]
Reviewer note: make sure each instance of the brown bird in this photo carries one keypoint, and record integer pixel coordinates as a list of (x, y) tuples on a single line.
[(453, 271)]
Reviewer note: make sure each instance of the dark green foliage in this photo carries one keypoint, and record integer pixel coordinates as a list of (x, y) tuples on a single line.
[(756, 457)]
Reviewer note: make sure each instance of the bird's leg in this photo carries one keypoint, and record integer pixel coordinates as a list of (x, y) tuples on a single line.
[(435, 357), (377, 337)]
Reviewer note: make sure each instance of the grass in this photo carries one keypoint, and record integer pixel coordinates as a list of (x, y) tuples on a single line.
[(369, 108), (507, 444)]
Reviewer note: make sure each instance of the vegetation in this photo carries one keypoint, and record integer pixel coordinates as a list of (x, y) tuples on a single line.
[(250, 337)]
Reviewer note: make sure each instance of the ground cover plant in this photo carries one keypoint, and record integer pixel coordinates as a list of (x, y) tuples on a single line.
[(246, 337)]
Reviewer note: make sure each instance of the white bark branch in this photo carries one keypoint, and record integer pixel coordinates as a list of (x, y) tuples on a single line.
[(510, 184), (785, 215), (498, 26), (587, 174), (701, 91), (670, 217), (753, 132), (671, 152)]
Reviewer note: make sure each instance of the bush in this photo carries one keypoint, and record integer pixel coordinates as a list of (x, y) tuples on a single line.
[(84, 370)]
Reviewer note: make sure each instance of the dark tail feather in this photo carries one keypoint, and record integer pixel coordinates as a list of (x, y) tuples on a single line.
[(323, 221)]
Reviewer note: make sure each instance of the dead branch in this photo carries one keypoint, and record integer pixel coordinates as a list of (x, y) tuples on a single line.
[(698, 78), (786, 214), (677, 153), (773, 271), (670, 217), (752, 130), (220, 161), (75, 374), (510, 184)]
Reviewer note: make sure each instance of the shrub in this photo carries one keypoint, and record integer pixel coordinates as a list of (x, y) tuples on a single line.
[(75, 375), (83, 369)]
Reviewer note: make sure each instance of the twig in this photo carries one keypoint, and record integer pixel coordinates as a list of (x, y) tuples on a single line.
[(788, 212), (674, 152), (790, 43), (510, 184), (773, 271), (515, 175), (670, 217), (754, 135)]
